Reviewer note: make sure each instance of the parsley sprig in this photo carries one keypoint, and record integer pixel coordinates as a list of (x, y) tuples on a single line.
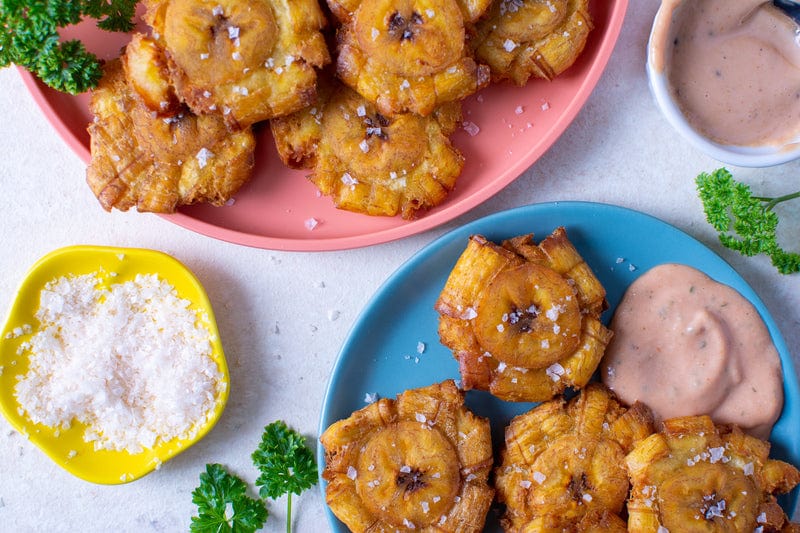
[(224, 505), (286, 466), (746, 223), (29, 38)]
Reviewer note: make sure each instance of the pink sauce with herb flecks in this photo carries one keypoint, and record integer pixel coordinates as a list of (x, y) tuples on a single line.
[(685, 344), (733, 67)]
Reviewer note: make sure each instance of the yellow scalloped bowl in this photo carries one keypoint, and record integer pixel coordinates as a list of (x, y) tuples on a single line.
[(66, 446)]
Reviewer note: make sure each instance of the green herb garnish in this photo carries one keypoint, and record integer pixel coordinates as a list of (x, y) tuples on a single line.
[(29, 38), (746, 223), (223, 504), (286, 464), (287, 467)]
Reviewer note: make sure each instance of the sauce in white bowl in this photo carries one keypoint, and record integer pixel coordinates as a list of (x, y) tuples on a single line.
[(726, 74)]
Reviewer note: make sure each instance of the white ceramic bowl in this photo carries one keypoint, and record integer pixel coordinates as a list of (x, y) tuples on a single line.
[(744, 156)]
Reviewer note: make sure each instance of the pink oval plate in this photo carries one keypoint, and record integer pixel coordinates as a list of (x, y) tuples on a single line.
[(516, 126)]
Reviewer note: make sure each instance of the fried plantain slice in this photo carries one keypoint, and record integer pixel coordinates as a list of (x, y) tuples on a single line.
[(408, 55), (146, 70), (156, 163), (528, 317), (562, 467), (697, 476), (420, 461), (558, 253), (368, 162), (523, 38), (523, 319), (594, 521), (246, 61)]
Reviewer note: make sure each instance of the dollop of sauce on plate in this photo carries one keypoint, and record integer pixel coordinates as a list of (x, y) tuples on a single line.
[(685, 344), (733, 67)]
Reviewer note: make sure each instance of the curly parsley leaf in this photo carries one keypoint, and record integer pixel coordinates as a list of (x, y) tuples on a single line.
[(746, 223), (29, 38), (68, 66), (223, 504), (286, 464), (114, 15)]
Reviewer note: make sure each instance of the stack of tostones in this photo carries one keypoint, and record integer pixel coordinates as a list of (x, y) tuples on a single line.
[(366, 161), (246, 61), (523, 38), (408, 55), (698, 476), (523, 319), (410, 64), (563, 465), (421, 461), (152, 153)]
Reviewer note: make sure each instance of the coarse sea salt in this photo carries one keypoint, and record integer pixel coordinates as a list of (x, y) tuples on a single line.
[(509, 45), (370, 397), (130, 361), (471, 128), (555, 371), (203, 155)]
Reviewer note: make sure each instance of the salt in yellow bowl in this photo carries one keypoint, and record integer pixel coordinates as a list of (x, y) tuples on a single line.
[(66, 446)]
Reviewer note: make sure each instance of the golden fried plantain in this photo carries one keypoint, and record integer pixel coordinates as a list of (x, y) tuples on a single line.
[(408, 55), (563, 465), (523, 38), (156, 163), (523, 319), (146, 71), (368, 162), (244, 60), (698, 476), (421, 461), (528, 316)]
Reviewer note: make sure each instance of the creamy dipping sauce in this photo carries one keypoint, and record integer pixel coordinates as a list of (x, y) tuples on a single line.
[(733, 67), (687, 345)]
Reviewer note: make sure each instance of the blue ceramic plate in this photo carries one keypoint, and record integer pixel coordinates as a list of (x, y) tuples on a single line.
[(394, 344)]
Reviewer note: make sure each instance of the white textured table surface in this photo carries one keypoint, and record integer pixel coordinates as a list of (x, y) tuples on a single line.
[(275, 309)]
